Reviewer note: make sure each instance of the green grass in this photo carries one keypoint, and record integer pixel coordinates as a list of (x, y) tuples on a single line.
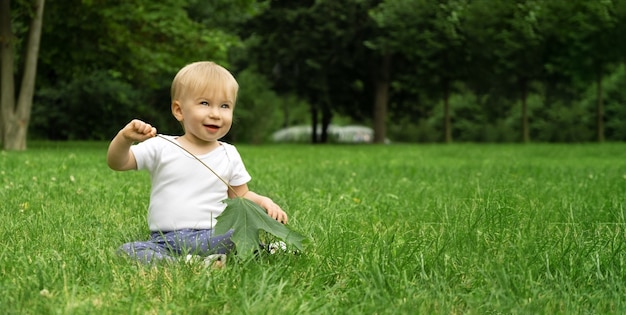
[(399, 229)]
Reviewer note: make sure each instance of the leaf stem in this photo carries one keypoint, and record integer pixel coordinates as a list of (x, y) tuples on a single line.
[(197, 159)]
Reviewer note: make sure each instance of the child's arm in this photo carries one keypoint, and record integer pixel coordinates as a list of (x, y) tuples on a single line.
[(119, 155), (272, 209)]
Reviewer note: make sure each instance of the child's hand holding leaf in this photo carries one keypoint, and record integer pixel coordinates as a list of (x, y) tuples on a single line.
[(247, 219)]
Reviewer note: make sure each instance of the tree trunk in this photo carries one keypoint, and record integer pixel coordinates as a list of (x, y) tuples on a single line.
[(447, 121), (314, 123), (599, 108), (7, 102), (327, 117), (16, 118), (285, 114), (381, 99), (525, 129)]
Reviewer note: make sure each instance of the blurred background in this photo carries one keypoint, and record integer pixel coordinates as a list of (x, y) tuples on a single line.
[(337, 70)]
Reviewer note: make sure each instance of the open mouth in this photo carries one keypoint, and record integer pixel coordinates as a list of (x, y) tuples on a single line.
[(212, 127)]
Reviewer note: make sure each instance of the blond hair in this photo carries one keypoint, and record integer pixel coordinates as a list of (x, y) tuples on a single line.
[(207, 77)]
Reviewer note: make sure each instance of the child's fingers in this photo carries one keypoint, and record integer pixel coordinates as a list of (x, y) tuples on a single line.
[(140, 131), (274, 211), (151, 132), (142, 127), (282, 217), (148, 130), (278, 215)]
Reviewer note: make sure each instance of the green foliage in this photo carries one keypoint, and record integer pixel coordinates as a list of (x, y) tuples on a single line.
[(248, 219), (564, 123), (407, 130), (589, 37), (259, 110), (223, 14), (93, 106), (140, 40), (116, 62), (315, 50), (325, 53), (615, 109)]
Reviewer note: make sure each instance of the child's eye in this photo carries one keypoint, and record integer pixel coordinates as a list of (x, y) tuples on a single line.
[(225, 106), (204, 103)]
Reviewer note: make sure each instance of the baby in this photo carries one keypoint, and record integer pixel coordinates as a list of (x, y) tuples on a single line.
[(185, 197)]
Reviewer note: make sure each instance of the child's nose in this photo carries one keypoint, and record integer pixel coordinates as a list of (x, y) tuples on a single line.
[(214, 112)]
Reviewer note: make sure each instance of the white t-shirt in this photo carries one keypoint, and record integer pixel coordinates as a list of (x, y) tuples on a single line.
[(185, 194)]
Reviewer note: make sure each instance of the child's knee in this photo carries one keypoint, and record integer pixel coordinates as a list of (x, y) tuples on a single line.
[(126, 250)]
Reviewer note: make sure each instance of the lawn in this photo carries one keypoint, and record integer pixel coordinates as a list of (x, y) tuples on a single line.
[(396, 229)]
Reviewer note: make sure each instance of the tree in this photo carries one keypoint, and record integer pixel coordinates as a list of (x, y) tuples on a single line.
[(109, 61), (430, 36), (508, 41), (588, 35), (15, 114), (316, 49)]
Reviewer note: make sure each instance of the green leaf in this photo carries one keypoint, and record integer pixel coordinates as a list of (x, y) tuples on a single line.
[(247, 219)]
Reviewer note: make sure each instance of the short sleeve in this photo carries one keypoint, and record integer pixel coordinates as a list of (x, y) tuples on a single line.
[(239, 174), (145, 153)]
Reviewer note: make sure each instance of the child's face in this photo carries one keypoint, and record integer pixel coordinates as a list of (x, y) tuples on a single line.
[(206, 115)]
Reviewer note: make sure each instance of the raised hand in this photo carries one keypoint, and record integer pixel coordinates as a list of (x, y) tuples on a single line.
[(119, 155), (138, 131)]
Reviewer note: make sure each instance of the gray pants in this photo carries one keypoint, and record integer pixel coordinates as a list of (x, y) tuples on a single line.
[(167, 245)]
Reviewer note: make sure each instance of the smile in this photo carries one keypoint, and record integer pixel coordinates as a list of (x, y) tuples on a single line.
[(212, 127)]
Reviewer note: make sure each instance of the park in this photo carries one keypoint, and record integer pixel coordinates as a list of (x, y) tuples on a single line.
[(450, 157), (396, 229)]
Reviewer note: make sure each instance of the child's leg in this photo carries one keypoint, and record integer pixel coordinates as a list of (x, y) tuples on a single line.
[(201, 242), (162, 246), (146, 252)]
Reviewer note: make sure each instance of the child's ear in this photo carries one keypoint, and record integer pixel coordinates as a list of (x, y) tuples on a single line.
[(177, 110)]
